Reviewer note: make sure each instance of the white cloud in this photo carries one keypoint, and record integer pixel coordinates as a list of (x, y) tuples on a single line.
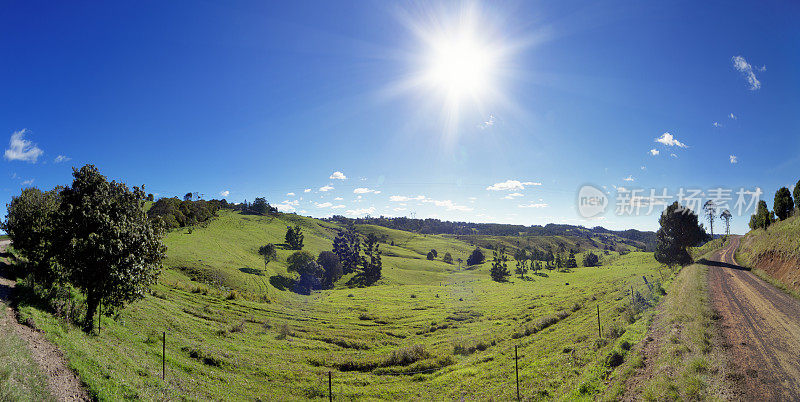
[(673, 155), (741, 65), (338, 206), (284, 207), (323, 205), (27, 182), (293, 202), (61, 158), (716, 124), (654, 152), (532, 205), (338, 199), (337, 175), (360, 211), (398, 209), (290, 194), (670, 141), (364, 190), (509, 185), (644, 167), (513, 195), (402, 198), (629, 178), (488, 123), (20, 149), (732, 116), (734, 159), (308, 190), (225, 193), (326, 188), (450, 205)]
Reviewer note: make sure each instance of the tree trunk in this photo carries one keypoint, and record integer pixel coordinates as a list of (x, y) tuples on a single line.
[(92, 300)]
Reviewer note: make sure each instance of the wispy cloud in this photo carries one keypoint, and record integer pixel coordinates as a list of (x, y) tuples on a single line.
[(308, 190), (488, 123), (364, 190), (654, 152), (61, 158), (337, 175), (670, 141), (629, 178), (225, 193), (732, 116), (450, 205), (20, 149), (716, 124), (290, 194), (673, 155), (285, 207), (534, 205), (326, 188), (734, 159), (338, 206), (402, 198), (510, 185), (513, 195), (741, 65), (323, 205), (360, 211)]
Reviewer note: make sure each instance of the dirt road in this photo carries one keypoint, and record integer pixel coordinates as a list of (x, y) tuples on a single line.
[(760, 329), (62, 382)]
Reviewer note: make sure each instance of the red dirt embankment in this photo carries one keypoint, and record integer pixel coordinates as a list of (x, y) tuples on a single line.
[(787, 271)]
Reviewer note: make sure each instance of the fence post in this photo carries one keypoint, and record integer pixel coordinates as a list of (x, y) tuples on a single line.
[(163, 355), (330, 387), (516, 369), (599, 334)]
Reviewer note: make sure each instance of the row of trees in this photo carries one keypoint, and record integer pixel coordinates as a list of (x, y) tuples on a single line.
[(93, 235), (784, 206)]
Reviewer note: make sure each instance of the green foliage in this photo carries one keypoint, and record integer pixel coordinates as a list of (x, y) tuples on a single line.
[(261, 207), (294, 238), (372, 261), (29, 224), (571, 262), (591, 260), (176, 213), (499, 271), (347, 246), (430, 256), (310, 272), (476, 258), (796, 194), (783, 204), (762, 218), (105, 242), (679, 230), (269, 252), (726, 217), (448, 258), (332, 266), (710, 211)]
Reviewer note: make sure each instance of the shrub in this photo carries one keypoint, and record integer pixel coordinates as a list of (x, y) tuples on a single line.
[(407, 355)]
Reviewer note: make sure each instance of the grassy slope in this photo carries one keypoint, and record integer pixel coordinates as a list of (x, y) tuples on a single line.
[(20, 379), (242, 349), (780, 242)]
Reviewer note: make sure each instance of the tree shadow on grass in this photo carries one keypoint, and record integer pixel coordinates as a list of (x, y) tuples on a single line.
[(542, 274), (252, 271), (281, 282)]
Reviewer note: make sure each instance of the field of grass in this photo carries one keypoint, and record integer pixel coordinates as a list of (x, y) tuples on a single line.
[(427, 330)]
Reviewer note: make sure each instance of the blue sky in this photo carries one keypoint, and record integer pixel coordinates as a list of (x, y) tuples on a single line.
[(258, 98)]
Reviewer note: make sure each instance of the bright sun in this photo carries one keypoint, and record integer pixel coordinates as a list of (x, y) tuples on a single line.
[(460, 66)]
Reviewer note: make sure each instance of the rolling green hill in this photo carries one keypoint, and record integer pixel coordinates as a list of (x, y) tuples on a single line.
[(426, 330), (774, 253)]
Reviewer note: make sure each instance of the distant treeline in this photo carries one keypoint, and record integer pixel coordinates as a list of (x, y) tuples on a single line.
[(177, 213), (436, 226)]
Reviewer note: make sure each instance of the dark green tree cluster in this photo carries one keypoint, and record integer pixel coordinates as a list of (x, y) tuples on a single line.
[(679, 229), (294, 238), (261, 207), (371, 262), (476, 257), (93, 236), (499, 271), (783, 204), (521, 259), (591, 260), (571, 262), (763, 216), (447, 258), (347, 246), (175, 213), (310, 272)]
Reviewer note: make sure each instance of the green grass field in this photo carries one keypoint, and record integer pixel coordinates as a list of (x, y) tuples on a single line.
[(427, 330), (20, 379)]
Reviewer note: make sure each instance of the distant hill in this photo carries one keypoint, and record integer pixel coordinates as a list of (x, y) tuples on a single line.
[(644, 240)]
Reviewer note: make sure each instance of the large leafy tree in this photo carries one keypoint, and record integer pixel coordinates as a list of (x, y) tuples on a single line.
[(310, 272), (29, 224), (476, 257), (783, 204), (762, 218), (679, 229), (105, 243), (332, 266)]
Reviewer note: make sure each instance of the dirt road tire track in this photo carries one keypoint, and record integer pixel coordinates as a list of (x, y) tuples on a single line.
[(760, 327), (64, 385)]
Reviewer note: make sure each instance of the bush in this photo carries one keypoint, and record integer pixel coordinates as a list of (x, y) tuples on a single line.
[(407, 355)]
